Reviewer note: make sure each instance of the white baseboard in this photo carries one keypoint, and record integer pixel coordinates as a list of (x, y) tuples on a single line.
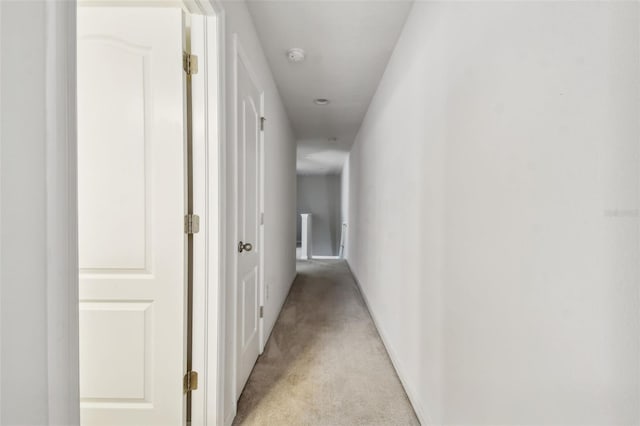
[(325, 257), (423, 418)]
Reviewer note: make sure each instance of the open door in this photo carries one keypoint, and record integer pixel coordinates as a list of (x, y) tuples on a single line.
[(131, 190)]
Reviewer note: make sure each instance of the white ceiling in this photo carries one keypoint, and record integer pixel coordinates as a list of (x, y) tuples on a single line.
[(348, 44)]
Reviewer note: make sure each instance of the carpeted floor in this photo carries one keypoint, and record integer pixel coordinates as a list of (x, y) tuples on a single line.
[(324, 363)]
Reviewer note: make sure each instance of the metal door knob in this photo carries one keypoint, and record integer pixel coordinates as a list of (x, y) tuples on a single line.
[(244, 247)]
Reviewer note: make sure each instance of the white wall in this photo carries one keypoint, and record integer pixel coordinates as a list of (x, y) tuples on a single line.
[(280, 184), (319, 195), (494, 212), (23, 248), (38, 267)]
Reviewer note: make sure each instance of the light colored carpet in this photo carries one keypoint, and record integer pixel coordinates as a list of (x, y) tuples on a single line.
[(324, 363)]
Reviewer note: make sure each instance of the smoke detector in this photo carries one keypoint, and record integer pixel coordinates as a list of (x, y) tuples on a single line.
[(295, 55), (321, 101)]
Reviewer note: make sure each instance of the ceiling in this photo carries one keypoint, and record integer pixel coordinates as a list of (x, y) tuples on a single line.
[(347, 45)]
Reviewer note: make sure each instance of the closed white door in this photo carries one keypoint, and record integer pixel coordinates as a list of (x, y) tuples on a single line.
[(131, 190), (249, 246)]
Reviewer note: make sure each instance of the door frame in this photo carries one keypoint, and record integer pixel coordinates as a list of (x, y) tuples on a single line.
[(209, 142), (261, 185), (239, 54), (62, 222)]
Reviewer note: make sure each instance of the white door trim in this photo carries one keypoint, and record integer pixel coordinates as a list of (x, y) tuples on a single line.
[(261, 283), (209, 111), (209, 135), (61, 214)]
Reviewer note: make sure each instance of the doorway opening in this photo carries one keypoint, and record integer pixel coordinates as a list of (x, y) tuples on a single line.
[(320, 224)]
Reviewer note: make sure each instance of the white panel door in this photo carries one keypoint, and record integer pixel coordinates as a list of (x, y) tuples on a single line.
[(248, 169), (131, 196)]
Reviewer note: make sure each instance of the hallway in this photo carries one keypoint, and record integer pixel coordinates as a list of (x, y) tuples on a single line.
[(324, 363)]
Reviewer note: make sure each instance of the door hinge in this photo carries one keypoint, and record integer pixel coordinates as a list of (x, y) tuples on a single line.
[(190, 63), (190, 382), (191, 224), (262, 218), (261, 311), (262, 120)]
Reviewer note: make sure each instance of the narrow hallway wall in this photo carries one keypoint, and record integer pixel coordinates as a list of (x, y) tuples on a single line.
[(280, 183), (24, 256), (493, 221), (38, 264)]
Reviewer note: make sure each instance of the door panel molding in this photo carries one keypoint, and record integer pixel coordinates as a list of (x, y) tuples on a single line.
[(132, 200)]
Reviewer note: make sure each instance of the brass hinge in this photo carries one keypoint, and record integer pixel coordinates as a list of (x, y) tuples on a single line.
[(190, 382), (261, 311), (191, 224), (262, 120), (190, 63)]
